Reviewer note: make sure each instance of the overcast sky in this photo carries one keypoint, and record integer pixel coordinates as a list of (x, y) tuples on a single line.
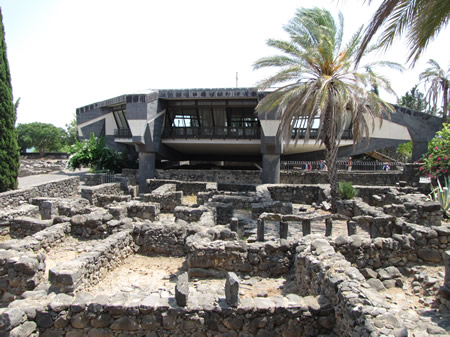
[(64, 54)]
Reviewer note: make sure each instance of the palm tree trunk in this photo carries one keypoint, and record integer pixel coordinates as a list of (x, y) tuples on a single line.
[(445, 112), (331, 160)]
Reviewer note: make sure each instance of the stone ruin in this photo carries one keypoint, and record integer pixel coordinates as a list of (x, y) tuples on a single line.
[(343, 274)]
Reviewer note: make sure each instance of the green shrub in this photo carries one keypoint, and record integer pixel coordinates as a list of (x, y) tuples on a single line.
[(94, 154), (437, 161), (347, 190)]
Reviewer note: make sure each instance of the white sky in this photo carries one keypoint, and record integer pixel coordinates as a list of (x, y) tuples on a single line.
[(64, 54)]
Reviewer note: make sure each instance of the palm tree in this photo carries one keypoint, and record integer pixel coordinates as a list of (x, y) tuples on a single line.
[(439, 81), (317, 78), (421, 20)]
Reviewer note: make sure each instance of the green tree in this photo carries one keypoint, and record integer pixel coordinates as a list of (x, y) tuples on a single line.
[(71, 131), (439, 85), (9, 153), (413, 99), (420, 20), (317, 78), (43, 137)]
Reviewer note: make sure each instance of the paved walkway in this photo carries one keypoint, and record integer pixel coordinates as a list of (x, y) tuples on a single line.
[(38, 179)]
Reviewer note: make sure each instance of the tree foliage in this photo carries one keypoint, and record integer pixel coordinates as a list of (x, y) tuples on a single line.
[(43, 137), (93, 153), (317, 78), (413, 99), (71, 132), (436, 163), (438, 82), (9, 153), (420, 20)]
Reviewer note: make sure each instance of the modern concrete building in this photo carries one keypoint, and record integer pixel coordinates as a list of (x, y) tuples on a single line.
[(221, 125)]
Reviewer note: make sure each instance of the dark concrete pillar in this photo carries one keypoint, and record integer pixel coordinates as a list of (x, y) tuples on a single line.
[(328, 227), (283, 229), (146, 169), (271, 169)]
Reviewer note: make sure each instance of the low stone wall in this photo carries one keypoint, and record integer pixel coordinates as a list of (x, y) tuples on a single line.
[(411, 207), (43, 240), (213, 258), (415, 244), (218, 176), (359, 311), (153, 315), (90, 193), (165, 239), (188, 187), (64, 188), (166, 195), (303, 194), (271, 207), (238, 201), (88, 268), (190, 214), (368, 178), (103, 200), (23, 226), (19, 271)]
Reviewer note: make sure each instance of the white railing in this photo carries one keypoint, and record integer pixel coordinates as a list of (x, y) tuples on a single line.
[(342, 165)]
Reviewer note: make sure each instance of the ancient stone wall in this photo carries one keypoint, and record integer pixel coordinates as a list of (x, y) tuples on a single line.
[(43, 240), (306, 194), (252, 177), (166, 195), (160, 239), (369, 178), (90, 267), (152, 315), (213, 258), (64, 188), (358, 309), (187, 187), (90, 193), (19, 271), (223, 176)]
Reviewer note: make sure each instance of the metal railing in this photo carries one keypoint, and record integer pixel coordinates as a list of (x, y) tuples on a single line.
[(313, 133), (213, 132), (342, 165), (122, 133), (235, 132)]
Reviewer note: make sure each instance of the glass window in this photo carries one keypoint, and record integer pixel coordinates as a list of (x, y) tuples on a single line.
[(120, 117)]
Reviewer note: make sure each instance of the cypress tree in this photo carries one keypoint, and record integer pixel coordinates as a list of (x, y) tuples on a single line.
[(9, 150)]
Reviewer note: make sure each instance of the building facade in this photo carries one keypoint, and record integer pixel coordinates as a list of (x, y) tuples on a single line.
[(221, 125)]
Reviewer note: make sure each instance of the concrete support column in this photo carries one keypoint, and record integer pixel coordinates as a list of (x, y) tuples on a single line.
[(146, 169), (271, 169)]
